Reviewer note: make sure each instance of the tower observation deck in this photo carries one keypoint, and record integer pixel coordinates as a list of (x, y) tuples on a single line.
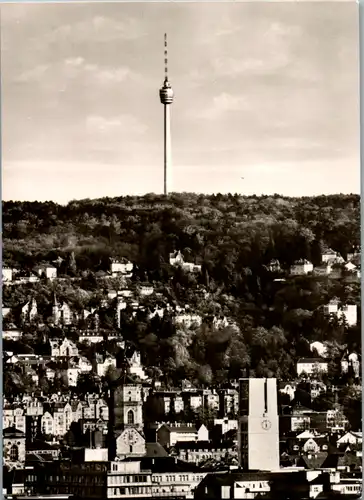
[(166, 95)]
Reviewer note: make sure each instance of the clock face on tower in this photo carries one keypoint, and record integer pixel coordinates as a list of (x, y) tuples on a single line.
[(266, 424), (130, 437)]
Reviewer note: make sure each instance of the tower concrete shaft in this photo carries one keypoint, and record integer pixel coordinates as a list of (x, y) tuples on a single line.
[(166, 95), (167, 147)]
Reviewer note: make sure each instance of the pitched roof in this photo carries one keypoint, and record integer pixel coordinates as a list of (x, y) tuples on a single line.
[(181, 428), (313, 461), (155, 450), (13, 432), (312, 360)]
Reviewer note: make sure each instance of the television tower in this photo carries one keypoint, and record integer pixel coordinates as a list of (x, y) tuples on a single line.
[(166, 95)]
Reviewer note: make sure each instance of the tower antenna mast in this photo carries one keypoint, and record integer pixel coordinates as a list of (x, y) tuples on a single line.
[(166, 95), (165, 58)]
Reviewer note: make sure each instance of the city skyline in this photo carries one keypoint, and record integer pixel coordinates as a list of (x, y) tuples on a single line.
[(265, 92)]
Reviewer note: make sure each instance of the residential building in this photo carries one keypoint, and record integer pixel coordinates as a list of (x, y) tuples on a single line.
[(29, 311), (350, 437), (14, 416), (176, 260), (61, 313), (7, 274), (188, 319), (91, 336), (202, 451), (226, 424), (301, 267), (46, 271), (311, 366), (63, 348), (121, 268), (13, 446), (13, 334), (330, 256), (347, 312), (324, 269), (47, 424), (261, 484), (103, 367), (170, 434), (352, 361)]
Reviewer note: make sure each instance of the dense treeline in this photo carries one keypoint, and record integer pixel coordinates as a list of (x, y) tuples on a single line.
[(225, 232), (233, 238)]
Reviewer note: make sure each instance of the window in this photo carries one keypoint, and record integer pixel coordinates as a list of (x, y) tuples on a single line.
[(130, 417), (14, 453), (131, 449)]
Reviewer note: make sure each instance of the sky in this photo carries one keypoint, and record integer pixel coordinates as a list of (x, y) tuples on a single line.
[(266, 98)]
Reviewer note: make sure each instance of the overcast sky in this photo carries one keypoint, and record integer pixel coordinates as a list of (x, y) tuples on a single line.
[(265, 91)]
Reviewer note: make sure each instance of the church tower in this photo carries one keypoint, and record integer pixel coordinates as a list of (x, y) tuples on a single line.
[(131, 441), (132, 406), (258, 434)]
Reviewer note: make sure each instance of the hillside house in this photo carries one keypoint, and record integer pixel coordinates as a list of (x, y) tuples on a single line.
[(176, 260), (348, 312), (90, 336), (274, 266), (61, 313), (330, 256), (29, 311), (7, 274), (352, 361), (146, 290), (46, 271), (311, 366), (122, 268), (188, 319), (317, 388), (63, 348), (301, 267), (324, 269)]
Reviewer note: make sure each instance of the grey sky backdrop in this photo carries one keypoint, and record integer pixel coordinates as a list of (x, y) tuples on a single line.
[(264, 91)]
